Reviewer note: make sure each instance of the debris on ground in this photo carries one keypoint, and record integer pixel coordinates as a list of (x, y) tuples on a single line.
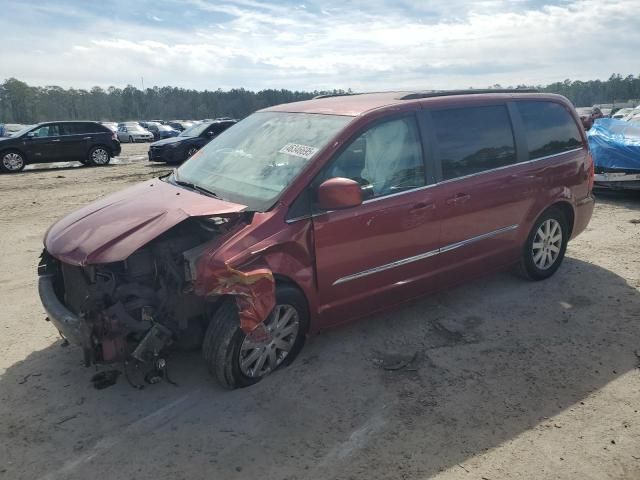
[(66, 419), (26, 377), (104, 379), (394, 362)]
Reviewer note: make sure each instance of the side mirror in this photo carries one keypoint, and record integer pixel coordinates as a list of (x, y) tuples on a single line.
[(338, 193), (31, 134)]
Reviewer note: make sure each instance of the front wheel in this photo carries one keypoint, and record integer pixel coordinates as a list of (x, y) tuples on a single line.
[(546, 245), (236, 360), (12, 162)]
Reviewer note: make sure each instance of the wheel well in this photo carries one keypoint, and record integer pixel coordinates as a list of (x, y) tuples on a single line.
[(282, 280), (14, 149), (98, 145), (567, 211)]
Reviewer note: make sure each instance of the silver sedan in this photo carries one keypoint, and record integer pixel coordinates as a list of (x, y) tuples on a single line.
[(134, 133)]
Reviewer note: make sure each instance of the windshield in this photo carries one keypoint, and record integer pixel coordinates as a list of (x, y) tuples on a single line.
[(23, 131), (164, 128), (194, 131), (255, 160)]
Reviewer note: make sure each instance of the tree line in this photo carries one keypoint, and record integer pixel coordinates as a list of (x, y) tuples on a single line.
[(23, 103)]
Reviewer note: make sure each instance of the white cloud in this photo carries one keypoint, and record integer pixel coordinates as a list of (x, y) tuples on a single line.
[(372, 45)]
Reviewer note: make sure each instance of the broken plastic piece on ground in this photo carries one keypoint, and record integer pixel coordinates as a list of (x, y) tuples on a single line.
[(158, 372), (104, 379), (394, 362)]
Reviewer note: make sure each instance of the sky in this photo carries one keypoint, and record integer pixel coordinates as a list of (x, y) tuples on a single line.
[(365, 45)]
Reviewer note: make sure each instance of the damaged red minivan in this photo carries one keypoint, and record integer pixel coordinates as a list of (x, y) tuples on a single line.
[(307, 215)]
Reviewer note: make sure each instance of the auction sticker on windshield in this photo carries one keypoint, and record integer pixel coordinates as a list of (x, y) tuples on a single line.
[(302, 151)]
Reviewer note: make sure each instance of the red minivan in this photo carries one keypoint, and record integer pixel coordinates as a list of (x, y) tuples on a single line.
[(307, 215)]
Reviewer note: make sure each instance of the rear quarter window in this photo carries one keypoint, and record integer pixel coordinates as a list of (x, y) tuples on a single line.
[(549, 128), (80, 128), (473, 139)]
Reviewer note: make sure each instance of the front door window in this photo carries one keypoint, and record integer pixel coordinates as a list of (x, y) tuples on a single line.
[(47, 131), (385, 159)]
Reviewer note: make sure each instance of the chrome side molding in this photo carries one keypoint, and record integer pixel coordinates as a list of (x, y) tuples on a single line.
[(422, 256)]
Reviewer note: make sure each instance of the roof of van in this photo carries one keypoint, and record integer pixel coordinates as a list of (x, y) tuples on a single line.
[(359, 103)]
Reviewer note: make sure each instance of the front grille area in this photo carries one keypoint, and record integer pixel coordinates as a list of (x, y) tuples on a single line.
[(76, 287)]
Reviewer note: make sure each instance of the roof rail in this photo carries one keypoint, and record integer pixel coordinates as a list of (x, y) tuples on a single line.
[(446, 93), (329, 95)]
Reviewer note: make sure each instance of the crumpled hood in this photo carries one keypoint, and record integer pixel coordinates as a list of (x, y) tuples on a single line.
[(112, 228)]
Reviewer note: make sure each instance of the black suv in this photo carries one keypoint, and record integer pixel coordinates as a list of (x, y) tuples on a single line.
[(86, 142), (178, 149)]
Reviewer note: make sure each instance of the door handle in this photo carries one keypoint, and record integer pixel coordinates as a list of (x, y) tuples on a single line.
[(458, 199), (86, 138), (55, 140), (422, 206)]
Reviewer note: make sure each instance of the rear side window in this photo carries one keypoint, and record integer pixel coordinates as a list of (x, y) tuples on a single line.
[(80, 128), (549, 128), (474, 139)]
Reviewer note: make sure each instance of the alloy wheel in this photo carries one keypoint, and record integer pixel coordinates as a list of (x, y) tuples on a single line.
[(547, 244), (100, 156), (257, 359), (13, 161)]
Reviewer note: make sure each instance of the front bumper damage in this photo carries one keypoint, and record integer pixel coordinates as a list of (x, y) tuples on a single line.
[(103, 336), (71, 327), (133, 310)]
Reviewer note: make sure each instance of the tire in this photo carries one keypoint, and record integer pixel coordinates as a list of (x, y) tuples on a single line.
[(546, 245), (191, 152), (223, 343), (99, 156), (12, 161)]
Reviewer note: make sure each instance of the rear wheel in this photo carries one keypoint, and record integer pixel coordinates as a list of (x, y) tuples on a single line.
[(546, 245), (99, 156), (236, 360), (12, 162)]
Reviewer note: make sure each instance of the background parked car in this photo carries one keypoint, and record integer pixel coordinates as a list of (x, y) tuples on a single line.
[(623, 112), (585, 117), (131, 132), (178, 149), (179, 125), (85, 142), (161, 132), (9, 129), (588, 115), (113, 126)]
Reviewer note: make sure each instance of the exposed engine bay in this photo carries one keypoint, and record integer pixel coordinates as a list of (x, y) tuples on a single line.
[(134, 309)]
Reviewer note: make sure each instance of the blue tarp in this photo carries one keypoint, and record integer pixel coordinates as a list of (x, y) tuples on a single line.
[(615, 144)]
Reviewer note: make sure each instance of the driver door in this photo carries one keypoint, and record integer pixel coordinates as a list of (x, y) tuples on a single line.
[(380, 252), (43, 144)]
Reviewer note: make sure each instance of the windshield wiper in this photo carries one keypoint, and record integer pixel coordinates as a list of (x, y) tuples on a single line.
[(195, 187)]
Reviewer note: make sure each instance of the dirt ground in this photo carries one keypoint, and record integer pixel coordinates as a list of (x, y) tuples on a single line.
[(511, 380)]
